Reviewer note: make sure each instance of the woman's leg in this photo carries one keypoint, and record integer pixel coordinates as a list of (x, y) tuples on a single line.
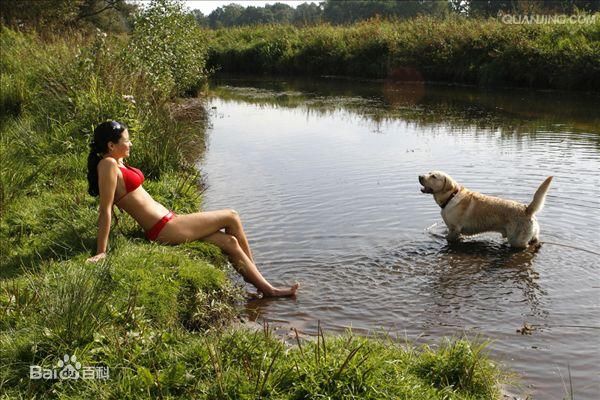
[(196, 226), (206, 226), (236, 229), (245, 266)]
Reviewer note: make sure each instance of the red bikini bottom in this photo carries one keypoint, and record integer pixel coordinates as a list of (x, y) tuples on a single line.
[(152, 233)]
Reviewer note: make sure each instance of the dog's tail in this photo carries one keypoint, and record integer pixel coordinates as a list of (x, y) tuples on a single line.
[(538, 198)]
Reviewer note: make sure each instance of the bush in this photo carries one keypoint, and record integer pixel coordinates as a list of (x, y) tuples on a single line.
[(169, 46)]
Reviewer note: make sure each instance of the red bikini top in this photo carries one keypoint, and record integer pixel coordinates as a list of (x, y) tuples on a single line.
[(132, 177)]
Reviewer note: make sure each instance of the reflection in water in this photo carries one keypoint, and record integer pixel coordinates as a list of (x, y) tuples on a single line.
[(324, 174), (481, 269), (510, 111)]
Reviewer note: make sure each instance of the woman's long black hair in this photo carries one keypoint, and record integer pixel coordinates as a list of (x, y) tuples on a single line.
[(105, 132)]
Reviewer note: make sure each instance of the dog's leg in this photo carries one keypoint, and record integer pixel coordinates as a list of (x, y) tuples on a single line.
[(535, 245), (453, 234), (536, 233), (518, 242), (529, 235), (519, 245)]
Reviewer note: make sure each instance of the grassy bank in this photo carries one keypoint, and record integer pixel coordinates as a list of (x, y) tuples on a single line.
[(469, 51), (157, 316)]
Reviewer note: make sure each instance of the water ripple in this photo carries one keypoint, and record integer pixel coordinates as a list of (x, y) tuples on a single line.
[(331, 199)]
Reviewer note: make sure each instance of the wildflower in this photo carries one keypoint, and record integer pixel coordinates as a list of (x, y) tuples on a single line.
[(129, 98)]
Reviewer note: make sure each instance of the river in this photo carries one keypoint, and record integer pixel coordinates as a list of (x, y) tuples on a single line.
[(324, 175)]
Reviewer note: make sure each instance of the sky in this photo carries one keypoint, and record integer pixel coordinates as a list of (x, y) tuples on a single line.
[(208, 6)]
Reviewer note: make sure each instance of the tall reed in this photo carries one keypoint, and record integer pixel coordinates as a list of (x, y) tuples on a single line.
[(453, 49)]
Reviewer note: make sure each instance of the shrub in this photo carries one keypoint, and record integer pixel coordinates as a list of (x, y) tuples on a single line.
[(169, 46)]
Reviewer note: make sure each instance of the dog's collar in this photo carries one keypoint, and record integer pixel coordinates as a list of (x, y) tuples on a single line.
[(445, 203)]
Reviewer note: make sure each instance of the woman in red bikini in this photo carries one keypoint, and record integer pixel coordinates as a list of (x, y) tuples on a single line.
[(120, 184)]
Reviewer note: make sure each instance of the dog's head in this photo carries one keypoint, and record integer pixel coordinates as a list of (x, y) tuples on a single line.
[(437, 182)]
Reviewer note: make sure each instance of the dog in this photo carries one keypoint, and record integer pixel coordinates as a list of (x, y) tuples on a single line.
[(468, 213)]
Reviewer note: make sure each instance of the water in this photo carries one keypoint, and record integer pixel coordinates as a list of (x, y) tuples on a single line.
[(324, 175)]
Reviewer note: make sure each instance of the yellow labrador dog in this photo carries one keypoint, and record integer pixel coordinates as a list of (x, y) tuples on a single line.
[(466, 212)]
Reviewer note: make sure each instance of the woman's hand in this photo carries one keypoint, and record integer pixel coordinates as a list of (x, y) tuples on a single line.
[(97, 257)]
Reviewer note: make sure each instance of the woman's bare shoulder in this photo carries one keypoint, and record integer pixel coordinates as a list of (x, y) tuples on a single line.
[(108, 164)]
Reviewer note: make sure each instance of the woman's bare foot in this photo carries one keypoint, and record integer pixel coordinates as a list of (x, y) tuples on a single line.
[(276, 292)]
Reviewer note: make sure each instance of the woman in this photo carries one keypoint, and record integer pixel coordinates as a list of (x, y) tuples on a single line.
[(120, 184)]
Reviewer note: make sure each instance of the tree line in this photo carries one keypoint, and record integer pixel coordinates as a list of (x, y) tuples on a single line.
[(117, 15), (340, 12)]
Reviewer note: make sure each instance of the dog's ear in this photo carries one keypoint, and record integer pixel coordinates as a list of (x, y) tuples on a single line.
[(449, 184)]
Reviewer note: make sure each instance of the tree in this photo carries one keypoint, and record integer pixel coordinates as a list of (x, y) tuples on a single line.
[(108, 15), (200, 18), (349, 11), (255, 15), (236, 15), (491, 8), (282, 13), (308, 14), (460, 7), (570, 6), (225, 16)]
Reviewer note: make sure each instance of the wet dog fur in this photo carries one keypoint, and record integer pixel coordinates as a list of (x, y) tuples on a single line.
[(466, 212)]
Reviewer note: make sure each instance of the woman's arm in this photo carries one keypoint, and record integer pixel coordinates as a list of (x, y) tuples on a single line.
[(107, 182)]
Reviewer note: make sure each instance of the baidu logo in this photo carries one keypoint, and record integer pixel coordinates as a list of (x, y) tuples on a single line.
[(68, 368)]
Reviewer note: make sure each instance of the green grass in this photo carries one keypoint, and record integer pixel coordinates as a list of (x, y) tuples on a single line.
[(473, 51), (242, 364), (157, 316)]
